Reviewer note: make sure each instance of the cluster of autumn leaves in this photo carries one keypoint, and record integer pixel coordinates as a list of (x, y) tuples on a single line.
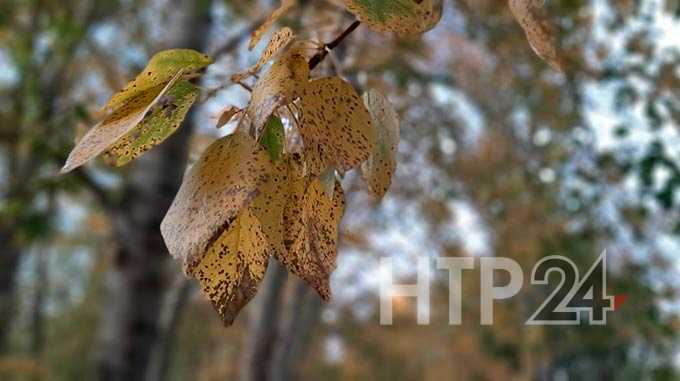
[(260, 192)]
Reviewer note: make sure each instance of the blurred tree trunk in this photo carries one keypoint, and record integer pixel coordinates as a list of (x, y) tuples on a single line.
[(280, 329), (169, 321), (263, 329), (301, 318), (41, 287), (38, 308), (9, 260), (136, 281)]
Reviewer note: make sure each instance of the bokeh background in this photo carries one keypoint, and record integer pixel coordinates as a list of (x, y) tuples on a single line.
[(500, 155)]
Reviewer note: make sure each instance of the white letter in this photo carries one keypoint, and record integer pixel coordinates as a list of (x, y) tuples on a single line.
[(420, 290), (489, 292), (456, 267)]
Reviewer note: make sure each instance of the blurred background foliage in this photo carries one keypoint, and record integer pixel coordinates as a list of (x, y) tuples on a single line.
[(500, 155)]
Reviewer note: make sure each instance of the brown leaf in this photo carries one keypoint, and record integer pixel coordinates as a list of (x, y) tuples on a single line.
[(227, 115), (279, 41), (377, 171), (401, 17), (217, 188), (234, 265), (257, 34), (269, 204), (335, 126), (280, 85), (539, 30), (311, 221)]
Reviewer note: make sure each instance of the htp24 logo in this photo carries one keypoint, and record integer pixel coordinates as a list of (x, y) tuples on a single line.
[(573, 296)]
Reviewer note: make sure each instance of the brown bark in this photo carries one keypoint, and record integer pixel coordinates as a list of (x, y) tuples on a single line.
[(171, 313), (281, 328), (264, 324), (38, 307), (136, 281), (9, 260), (302, 316)]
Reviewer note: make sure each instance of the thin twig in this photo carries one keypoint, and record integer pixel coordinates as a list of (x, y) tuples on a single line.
[(290, 110), (321, 55), (250, 89), (211, 92)]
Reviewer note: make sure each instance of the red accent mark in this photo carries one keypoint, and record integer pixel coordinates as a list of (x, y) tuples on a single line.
[(619, 300)]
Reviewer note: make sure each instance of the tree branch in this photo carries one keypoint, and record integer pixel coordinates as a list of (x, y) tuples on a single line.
[(320, 56)]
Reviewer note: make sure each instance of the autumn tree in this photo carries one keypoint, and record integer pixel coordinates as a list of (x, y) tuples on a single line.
[(270, 193)]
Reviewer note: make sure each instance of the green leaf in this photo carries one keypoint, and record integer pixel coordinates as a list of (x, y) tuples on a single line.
[(401, 17), (273, 138), (160, 69), (383, 10), (162, 121)]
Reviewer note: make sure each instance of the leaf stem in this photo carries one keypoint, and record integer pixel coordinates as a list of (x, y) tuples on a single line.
[(321, 55)]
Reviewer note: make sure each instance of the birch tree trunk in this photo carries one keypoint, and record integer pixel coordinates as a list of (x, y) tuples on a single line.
[(281, 328), (136, 281), (169, 320), (301, 319), (263, 328)]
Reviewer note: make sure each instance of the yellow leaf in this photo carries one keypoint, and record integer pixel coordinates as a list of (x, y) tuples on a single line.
[(223, 181), (161, 121), (257, 34), (539, 30), (269, 204), (274, 196), (380, 166), (233, 266), (311, 220), (161, 68), (280, 85), (335, 126), (279, 40), (401, 17), (116, 125)]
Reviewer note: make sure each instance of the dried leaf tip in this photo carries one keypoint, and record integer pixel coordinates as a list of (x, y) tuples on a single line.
[(541, 33)]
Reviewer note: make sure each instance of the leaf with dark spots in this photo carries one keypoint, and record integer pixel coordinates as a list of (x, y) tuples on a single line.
[(222, 183)]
